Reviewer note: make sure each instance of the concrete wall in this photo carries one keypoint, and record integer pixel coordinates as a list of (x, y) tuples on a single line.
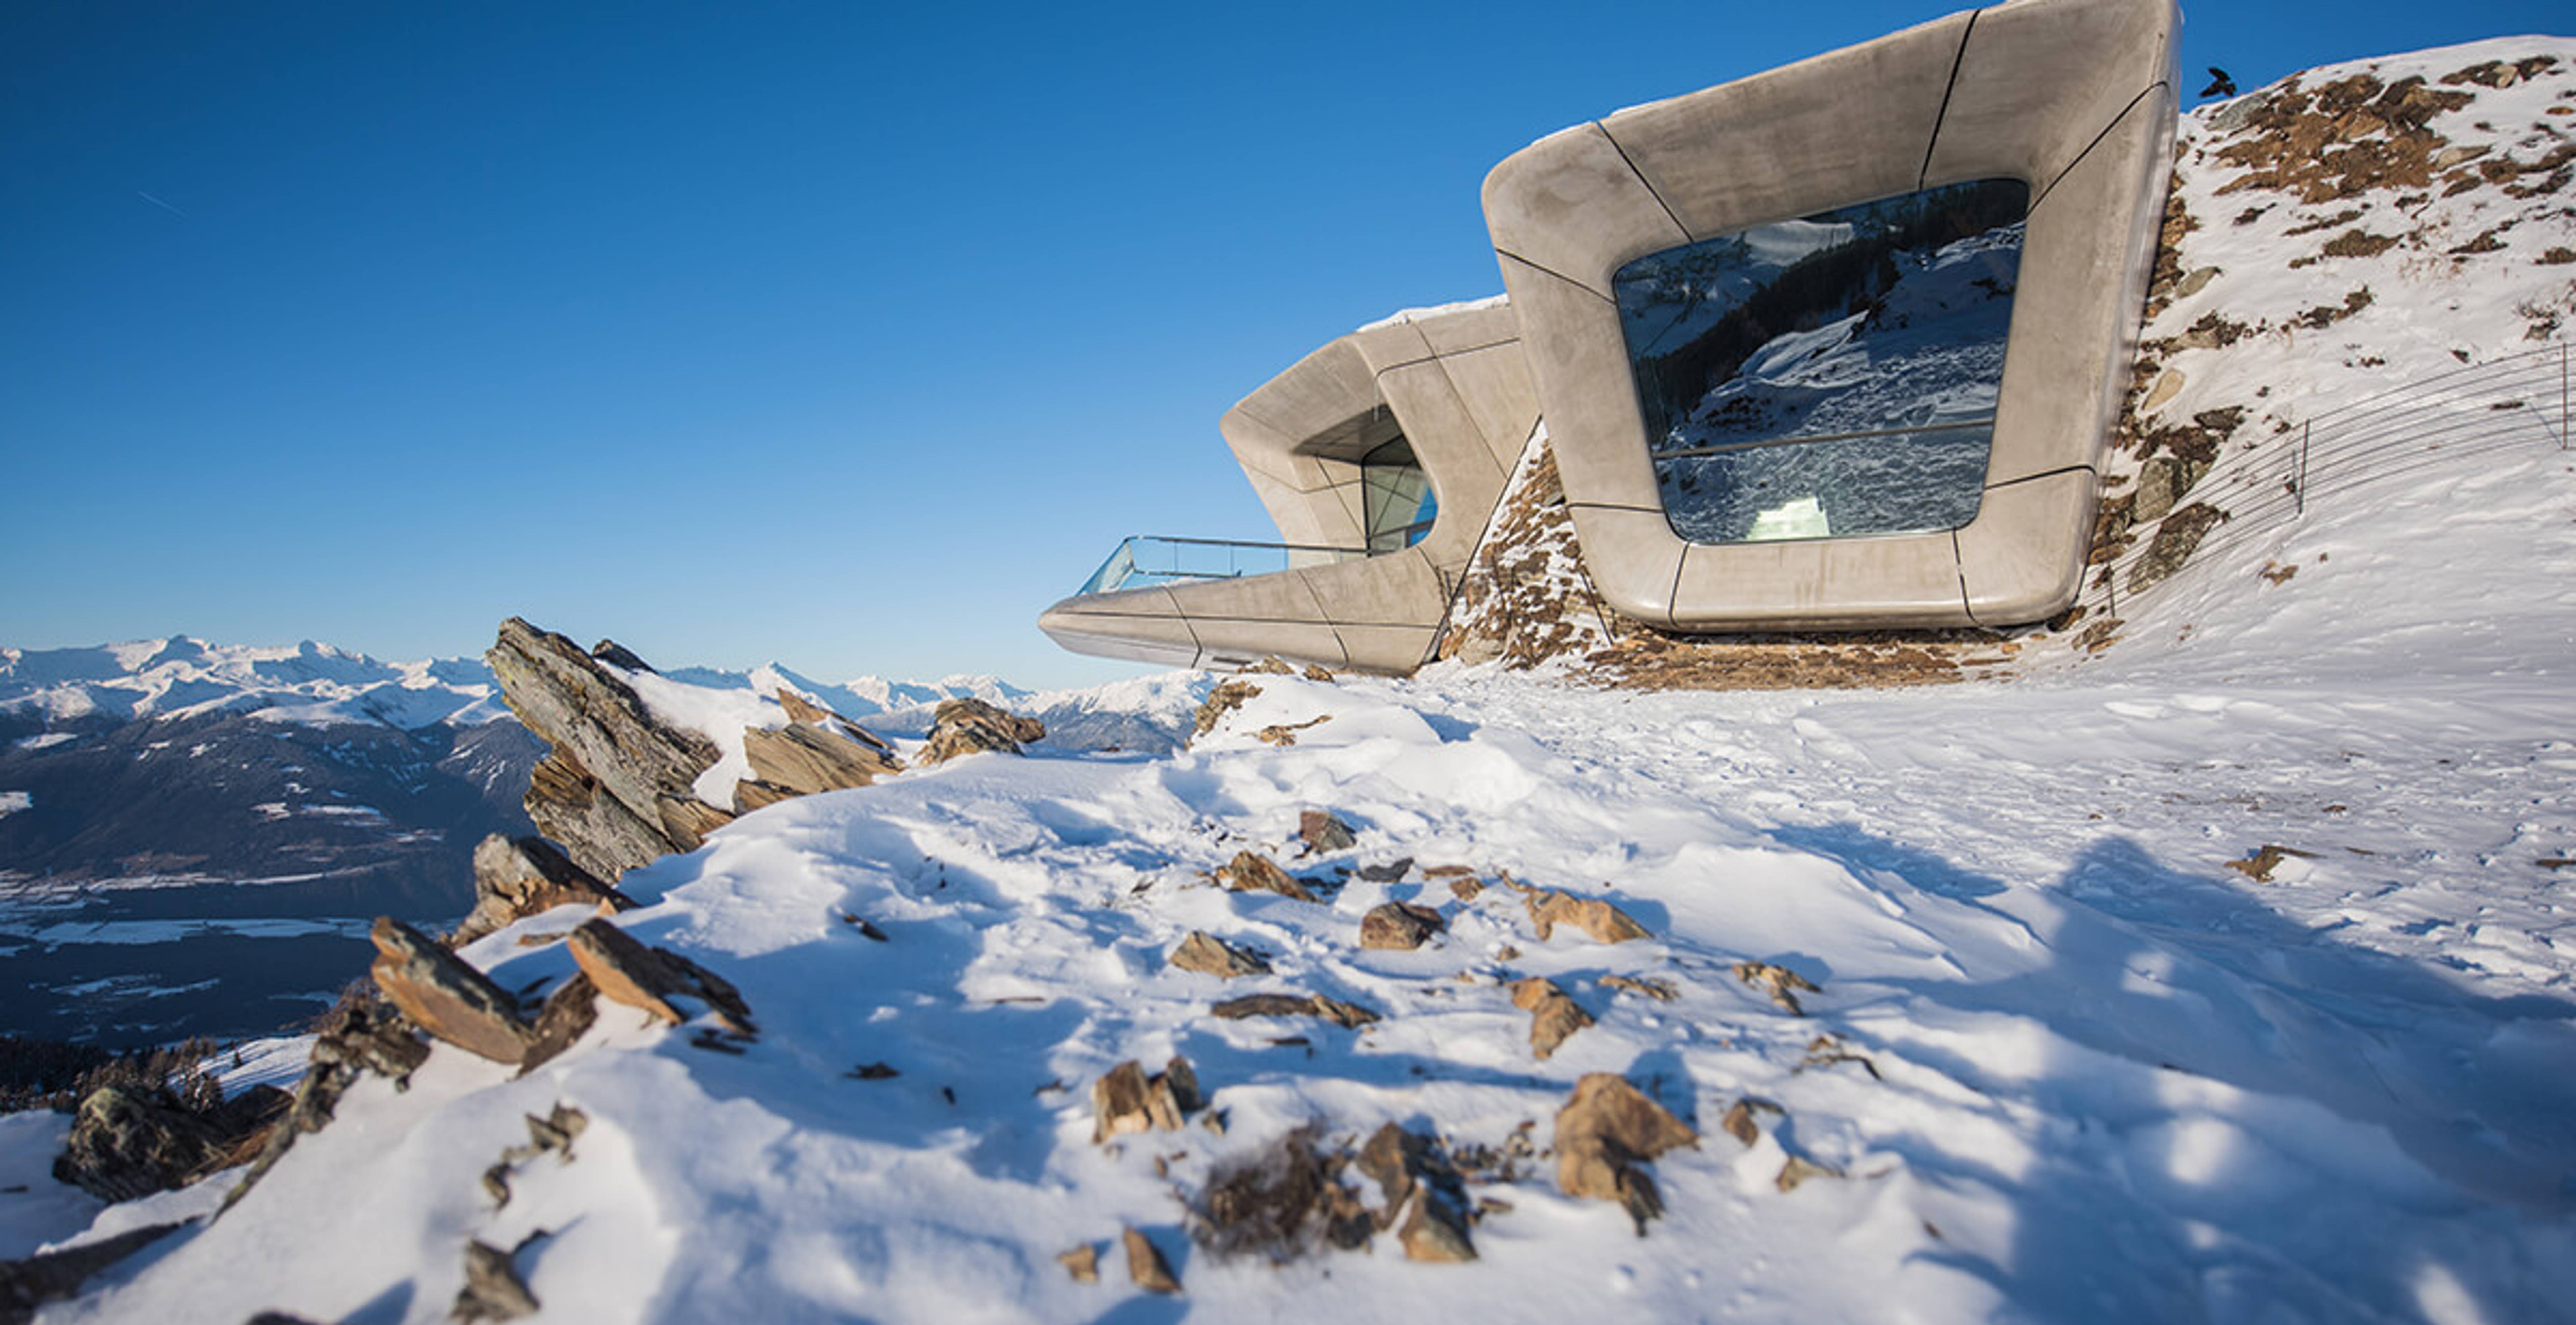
[(2074, 97), (1453, 382)]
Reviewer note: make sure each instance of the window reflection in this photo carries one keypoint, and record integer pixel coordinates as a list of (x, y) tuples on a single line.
[(1395, 497), (1830, 376)]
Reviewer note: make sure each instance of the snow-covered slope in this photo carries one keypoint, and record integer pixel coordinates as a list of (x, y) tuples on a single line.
[(2223, 975), (313, 684)]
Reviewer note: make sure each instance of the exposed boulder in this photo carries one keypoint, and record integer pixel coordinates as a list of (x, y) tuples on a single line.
[(1349, 1015), (616, 789), (966, 725), (1399, 925), (362, 1033), (1125, 1100), (1324, 831), (1225, 698), (1209, 955), (1424, 1196), (1146, 1266), (517, 877), (55, 1275), (1250, 871), (442, 994), (626, 971), (570, 1011), (1281, 1202), (800, 759), (1781, 983), (1553, 1015), (126, 1144), (493, 1289), (1605, 1134), (1083, 1263), (1549, 909)]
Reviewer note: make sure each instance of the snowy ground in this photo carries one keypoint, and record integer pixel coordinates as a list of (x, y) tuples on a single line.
[(2107, 1077)]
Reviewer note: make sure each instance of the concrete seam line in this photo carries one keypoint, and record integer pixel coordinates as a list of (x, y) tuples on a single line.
[(1649, 185), (1612, 506), (1959, 563), (2148, 91), (1673, 596), (1946, 89), (1548, 271), (2034, 478)]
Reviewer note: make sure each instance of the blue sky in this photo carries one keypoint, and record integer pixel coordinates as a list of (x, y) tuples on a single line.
[(840, 335)]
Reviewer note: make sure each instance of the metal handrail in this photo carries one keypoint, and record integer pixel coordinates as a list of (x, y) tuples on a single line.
[(1127, 569), (1731, 448), (2264, 490)]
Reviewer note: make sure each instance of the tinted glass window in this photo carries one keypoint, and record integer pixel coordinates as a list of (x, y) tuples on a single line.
[(1830, 376), (1395, 497)]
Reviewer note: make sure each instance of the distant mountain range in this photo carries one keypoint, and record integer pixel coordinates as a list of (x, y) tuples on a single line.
[(193, 836)]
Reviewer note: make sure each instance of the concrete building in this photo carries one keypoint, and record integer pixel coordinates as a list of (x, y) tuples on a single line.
[(1838, 345)]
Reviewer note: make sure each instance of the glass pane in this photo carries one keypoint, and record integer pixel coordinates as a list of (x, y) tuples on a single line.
[(1395, 497), (1830, 376)]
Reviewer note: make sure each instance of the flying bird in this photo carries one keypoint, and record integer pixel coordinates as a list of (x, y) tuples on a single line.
[(2220, 85)]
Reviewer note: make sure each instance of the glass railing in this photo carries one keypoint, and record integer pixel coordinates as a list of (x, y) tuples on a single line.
[(1145, 561)]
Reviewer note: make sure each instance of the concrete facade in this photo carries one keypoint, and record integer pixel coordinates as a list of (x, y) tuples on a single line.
[(2073, 97), (1453, 383)]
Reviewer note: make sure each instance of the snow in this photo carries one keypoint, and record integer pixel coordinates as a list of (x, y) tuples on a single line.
[(13, 801), (312, 684), (2075, 1053), (1438, 310)]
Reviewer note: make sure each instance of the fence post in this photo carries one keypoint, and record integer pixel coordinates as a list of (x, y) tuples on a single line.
[(2299, 486), (2562, 396)]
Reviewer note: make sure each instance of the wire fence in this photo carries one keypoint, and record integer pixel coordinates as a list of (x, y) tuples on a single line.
[(2517, 403)]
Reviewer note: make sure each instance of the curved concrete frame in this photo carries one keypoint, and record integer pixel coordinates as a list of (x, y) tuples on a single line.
[(2073, 97), (1453, 382)]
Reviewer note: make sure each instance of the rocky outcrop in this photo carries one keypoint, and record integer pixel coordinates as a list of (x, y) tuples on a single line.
[(1209, 955), (1146, 1267), (55, 1275), (1779, 982), (626, 971), (1125, 1100), (966, 725), (1554, 1015), (1250, 871), (517, 877), (1350, 1016), (1605, 1135), (615, 790), (1399, 925), (1549, 909), (802, 758), (444, 995), (127, 1144)]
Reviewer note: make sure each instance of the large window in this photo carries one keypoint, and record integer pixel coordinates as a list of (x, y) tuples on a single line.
[(1830, 376), (1395, 497)]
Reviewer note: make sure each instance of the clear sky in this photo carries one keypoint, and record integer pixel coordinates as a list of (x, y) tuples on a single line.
[(844, 335)]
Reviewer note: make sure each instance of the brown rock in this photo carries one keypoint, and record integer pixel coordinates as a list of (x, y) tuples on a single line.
[(1284, 734), (493, 1289), (56, 1275), (1226, 698), (628, 972), (1252, 872), (802, 759), (517, 877), (1799, 1169), (1324, 831), (1467, 889), (1399, 925), (1549, 909), (1146, 1266), (1125, 1100), (965, 726), (570, 1011), (1661, 991), (1553, 1015), (1210, 955), (2260, 865), (1349, 1015), (443, 995), (601, 791), (1738, 1123), (1433, 1230), (1781, 983), (1605, 1134), (1083, 1263), (129, 1143), (752, 794)]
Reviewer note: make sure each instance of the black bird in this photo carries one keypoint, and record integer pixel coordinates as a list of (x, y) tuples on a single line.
[(2220, 85)]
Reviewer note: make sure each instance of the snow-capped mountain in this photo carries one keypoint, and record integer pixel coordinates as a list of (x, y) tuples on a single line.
[(180, 677)]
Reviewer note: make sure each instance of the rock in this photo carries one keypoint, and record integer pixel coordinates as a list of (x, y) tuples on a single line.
[(2168, 384), (1799, 1169), (1553, 1015), (1316, 672), (1251, 871), (1124, 1100), (2260, 865), (1279, 1202), (443, 995), (1226, 698), (361, 1033), (1324, 831), (1390, 872), (1433, 1230), (1083, 1263), (616, 788), (1183, 1081), (2162, 481), (1209, 955), (54, 1276), (1605, 1134), (1661, 991), (1549, 909), (618, 655), (800, 759), (1284, 734), (126, 1144), (966, 725), (1781, 983), (569, 1013), (1349, 1015), (1466, 889), (493, 1289), (1738, 1123), (517, 877), (628, 972), (2195, 281), (2178, 535), (1146, 1266), (1399, 925)]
